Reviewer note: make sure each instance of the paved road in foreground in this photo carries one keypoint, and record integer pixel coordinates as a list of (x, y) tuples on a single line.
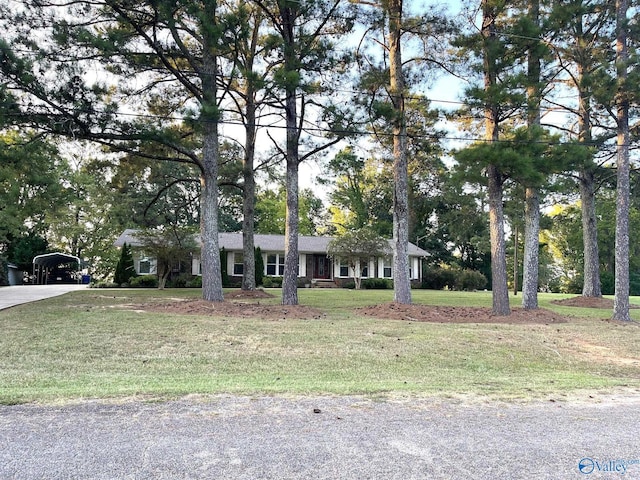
[(19, 294), (350, 438)]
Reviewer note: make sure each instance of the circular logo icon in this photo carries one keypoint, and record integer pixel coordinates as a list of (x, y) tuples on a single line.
[(586, 466)]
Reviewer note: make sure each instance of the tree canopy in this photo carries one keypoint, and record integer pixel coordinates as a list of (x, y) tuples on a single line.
[(174, 114)]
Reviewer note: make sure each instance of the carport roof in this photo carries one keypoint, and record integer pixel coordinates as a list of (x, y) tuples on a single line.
[(54, 259)]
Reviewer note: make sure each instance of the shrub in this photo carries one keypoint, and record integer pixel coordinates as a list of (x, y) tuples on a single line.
[(259, 266), (272, 282), (195, 282), (144, 281), (104, 285), (572, 284), (4, 273), (377, 283), (223, 267), (634, 284), (470, 280), (125, 269), (180, 281), (607, 283), (438, 278)]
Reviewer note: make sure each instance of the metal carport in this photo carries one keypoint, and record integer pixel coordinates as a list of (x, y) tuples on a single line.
[(43, 264)]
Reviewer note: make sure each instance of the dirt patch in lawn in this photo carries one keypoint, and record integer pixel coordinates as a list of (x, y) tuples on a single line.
[(257, 293), (237, 304), (439, 314), (588, 302), (247, 304)]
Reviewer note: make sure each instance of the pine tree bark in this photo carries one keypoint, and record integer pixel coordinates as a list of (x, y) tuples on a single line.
[(621, 298), (248, 173), (210, 254), (531, 260), (591, 286), (401, 280), (290, 276), (500, 289), (249, 194)]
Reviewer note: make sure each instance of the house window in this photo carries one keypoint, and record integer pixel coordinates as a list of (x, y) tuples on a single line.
[(386, 268), (144, 266), (275, 264), (238, 263), (344, 268)]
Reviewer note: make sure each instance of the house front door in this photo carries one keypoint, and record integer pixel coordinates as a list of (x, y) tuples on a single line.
[(321, 267)]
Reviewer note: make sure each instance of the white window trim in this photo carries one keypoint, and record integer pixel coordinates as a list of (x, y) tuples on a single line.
[(279, 264), (382, 262), (152, 266), (235, 263)]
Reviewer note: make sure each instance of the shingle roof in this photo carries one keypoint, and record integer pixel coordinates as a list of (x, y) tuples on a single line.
[(267, 243)]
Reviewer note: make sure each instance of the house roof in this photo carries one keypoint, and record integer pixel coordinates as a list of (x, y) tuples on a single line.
[(266, 243)]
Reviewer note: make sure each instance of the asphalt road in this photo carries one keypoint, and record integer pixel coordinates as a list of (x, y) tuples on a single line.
[(353, 438), (18, 294)]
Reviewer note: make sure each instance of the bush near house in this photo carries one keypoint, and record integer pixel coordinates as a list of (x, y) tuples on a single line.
[(377, 284), (470, 280), (453, 279), (435, 278), (125, 270), (370, 284), (195, 282), (144, 281), (272, 282)]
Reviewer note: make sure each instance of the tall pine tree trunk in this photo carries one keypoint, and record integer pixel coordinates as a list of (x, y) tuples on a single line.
[(591, 286), (248, 174), (500, 289), (249, 194), (531, 261), (401, 281), (621, 298), (290, 277), (210, 254)]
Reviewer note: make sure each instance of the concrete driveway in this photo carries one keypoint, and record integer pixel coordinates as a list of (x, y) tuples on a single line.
[(19, 294)]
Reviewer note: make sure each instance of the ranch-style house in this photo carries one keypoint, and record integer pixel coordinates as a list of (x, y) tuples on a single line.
[(314, 265)]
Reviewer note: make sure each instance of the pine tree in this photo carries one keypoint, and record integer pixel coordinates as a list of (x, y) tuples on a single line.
[(125, 269), (621, 298), (304, 50)]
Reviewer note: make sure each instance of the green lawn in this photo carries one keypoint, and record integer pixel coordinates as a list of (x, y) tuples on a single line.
[(89, 344)]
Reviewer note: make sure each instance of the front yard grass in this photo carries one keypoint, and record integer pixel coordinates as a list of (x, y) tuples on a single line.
[(98, 344)]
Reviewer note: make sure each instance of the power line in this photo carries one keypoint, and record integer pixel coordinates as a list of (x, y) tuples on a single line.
[(351, 131)]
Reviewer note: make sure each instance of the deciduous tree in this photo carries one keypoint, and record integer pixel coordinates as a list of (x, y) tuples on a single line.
[(357, 246)]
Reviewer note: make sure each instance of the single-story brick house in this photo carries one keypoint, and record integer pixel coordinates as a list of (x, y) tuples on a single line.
[(314, 263)]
